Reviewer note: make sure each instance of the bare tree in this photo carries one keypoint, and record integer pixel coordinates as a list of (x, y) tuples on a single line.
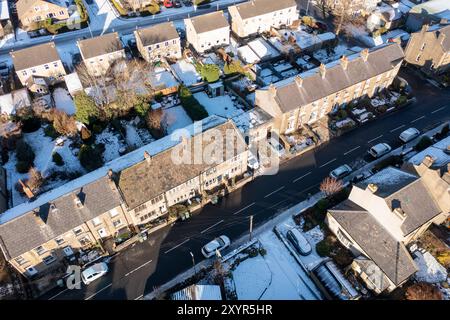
[(35, 180), (330, 186), (154, 120), (64, 124), (342, 14), (423, 291)]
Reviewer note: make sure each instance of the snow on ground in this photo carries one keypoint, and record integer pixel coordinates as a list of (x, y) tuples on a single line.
[(335, 54), (63, 101), (430, 270), (176, 118), (66, 51), (132, 136), (222, 105), (113, 144), (276, 276), (186, 72)]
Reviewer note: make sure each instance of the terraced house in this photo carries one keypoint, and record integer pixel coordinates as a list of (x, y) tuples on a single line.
[(207, 31), (158, 41), (429, 49), (258, 16), (152, 186), (37, 237), (310, 96), (99, 53), (38, 66)]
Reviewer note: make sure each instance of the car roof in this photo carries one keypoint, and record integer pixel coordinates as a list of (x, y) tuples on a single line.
[(379, 147), (409, 131), (301, 238), (341, 168), (98, 267)]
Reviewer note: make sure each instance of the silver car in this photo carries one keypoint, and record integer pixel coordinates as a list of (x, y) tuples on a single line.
[(341, 172), (218, 244), (379, 150), (409, 134)]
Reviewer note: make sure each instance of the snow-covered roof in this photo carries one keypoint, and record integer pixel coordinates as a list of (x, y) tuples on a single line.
[(116, 165), (4, 12), (436, 151), (16, 99), (262, 49), (73, 83), (247, 54), (163, 79), (198, 292)]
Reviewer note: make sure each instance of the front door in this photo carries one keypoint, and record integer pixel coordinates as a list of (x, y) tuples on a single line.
[(102, 233)]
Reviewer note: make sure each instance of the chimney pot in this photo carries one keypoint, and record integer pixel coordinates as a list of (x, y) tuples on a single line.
[(425, 28), (272, 90), (147, 156), (344, 62), (365, 54), (372, 187), (299, 81), (428, 161), (323, 70), (399, 211)]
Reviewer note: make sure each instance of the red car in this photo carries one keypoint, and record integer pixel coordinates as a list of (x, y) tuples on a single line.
[(168, 3)]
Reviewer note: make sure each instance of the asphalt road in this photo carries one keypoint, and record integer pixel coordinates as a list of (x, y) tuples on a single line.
[(138, 270)]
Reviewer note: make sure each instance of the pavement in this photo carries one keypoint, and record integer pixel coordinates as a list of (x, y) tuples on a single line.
[(145, 266)]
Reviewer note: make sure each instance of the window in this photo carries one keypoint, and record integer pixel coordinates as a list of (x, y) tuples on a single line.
[(21, 261), (33, 70), (40, 250), (31, 271), (343, 239), (55, 64), (423, 46), (78, 231), (117, 223), (24, 73), (113, 213), (46, 66), (61, 13), (68, 251), (140, 208), (84, 240), (96, 221), (167, 43), (49, 259), (157, 46), (59, 241), (418, 57), (174, 41)]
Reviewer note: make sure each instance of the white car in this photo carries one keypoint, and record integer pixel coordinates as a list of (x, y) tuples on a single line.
[(341, 172), (218, 244), (277, 147), (379, 150), (299, 241), (409, 134), (252, 162), (94, 272)]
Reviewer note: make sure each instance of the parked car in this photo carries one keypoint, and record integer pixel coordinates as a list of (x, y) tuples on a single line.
[(218, 243), (94, 272), (168, 3), (187, 3), (379, 150), (277, 147), (252, 162), (341, 172), (177, 3), (409, 134), (299, 241)]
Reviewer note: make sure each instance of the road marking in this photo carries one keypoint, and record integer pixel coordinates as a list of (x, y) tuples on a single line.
[(437, 110), (215, 224), (306, 174), (275, 191), (418, 119), (142, 265), (399, 127), (173, 248), (92, 295), (138, 298), (251, 204), (273, 206), (328, 163), (375, 138), (351, 150)]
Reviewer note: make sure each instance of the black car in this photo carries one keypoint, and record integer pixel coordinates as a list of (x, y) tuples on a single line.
[(187, 3), (177, 4)]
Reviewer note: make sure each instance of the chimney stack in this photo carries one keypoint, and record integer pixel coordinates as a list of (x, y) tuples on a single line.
[(323, 70), (441, 37), (38, 219), (424, 28), (399, 211), (272, 90), (365, 54), (428, 161), (372, 187), (147, 156), (299, 81), (344, 62), (26, 190)]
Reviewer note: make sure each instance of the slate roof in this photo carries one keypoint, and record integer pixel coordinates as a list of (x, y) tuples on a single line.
[(209, 22), (100, 45), (446, 43), (259, 7), (390, 255), (24, 233), (289, 96), (35, 56), (148, 179), (22, 6), (401, 189), (158, 33)]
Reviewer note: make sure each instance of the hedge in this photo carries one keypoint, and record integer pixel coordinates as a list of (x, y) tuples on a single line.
[(192, 107), (424, 143)]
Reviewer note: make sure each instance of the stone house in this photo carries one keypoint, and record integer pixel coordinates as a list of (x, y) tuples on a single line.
[(31, 12)]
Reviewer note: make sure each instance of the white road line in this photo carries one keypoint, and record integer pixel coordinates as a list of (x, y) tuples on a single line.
[(251, 204), (173, 248), (138, 298), (418, 119), (437, 110), (93, 295), (215, 224), (301, 177), (351, 150), (274, 205), (328, 163), (371, 140), (399, 127), (142, 265), (275, 191)]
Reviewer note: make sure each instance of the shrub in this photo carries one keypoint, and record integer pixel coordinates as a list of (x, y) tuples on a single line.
[(35, 179), (323, 248), (155, 124), (262, 252), (90, 157), (423, 291), (57, 159), (50, 131), (96, 128), (389, 161), (444, 132), (142, 107), (193, 108), (330, 186), (401, 100), (86, 109), (209, 72), (153, 8), (22, 166), (24, 152), (64, 124), (159, 97), (200, 2), (234, 67), (85, 134), (424, 143)]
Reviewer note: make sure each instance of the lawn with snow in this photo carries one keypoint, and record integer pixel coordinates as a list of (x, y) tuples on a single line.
[(176, 118), (221, 106), (113, 144), (63, 101), (332, 55), (186, 72)]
